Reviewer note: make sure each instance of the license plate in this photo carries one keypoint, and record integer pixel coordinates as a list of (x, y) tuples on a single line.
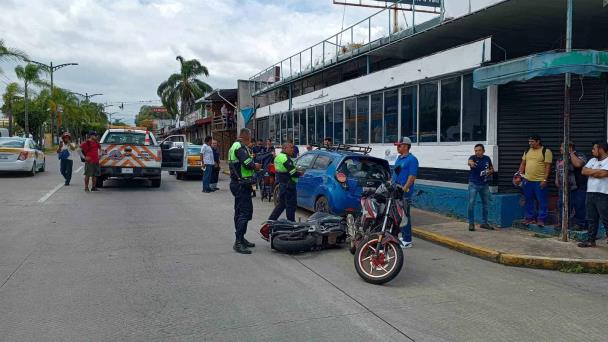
[(127, 170)]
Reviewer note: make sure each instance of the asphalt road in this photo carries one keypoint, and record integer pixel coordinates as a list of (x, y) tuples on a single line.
[(131, 263)]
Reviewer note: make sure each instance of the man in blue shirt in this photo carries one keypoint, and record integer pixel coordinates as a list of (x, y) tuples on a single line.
[(406, 170), (479, 176)]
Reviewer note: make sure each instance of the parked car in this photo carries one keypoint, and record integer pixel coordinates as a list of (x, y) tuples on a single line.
[(334, 179), (194, 163), (21, 155)]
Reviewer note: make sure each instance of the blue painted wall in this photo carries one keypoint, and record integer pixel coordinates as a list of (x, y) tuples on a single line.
[(503, 208)]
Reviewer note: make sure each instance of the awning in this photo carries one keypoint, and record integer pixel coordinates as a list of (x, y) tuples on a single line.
[(581, 62)]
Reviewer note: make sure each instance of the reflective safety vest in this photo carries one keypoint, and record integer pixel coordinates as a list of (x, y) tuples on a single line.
[(284, 174), (237, 170)]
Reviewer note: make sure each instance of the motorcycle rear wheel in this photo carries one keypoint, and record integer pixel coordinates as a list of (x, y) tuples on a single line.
[(387, 267), (288, 244)]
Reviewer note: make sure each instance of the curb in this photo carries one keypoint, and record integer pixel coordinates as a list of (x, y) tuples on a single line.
[(516, 260)]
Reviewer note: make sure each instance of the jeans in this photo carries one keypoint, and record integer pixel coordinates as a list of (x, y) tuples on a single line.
[(484, 195), (533, 193), (597, 208), (65, 167), (215, 175), (207, 177), (288, 201), (406, 231), (578, 198), (243, 208)]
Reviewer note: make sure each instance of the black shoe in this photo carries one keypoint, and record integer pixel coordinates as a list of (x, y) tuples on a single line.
[(247, 244), (239, 248), (94, 189), (67, 183), (471, 227), (486, 226), (253, 195)]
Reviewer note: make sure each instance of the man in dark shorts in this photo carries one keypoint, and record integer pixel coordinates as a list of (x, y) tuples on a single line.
[(90, 149)]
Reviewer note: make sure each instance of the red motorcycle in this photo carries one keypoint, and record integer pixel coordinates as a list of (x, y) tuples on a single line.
[(373, 234)]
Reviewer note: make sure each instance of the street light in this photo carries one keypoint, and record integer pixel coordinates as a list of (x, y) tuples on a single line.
[(51, 69), (86, 96)]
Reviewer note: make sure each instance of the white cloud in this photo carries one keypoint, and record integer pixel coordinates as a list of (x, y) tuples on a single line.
[(125, 48)]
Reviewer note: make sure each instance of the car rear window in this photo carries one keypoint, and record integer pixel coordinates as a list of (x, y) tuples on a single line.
[(12, 142), (132, 138), (364, 168)]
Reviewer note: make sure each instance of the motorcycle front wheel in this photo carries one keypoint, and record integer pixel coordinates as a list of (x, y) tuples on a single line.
[(378, 266)]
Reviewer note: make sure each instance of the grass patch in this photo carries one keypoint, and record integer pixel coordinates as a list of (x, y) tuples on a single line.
[(572, 269)]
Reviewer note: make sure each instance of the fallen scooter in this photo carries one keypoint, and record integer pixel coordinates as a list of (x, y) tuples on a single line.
[(319, 231)]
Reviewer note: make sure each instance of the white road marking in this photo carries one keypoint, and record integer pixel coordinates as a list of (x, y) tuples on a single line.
[(55, 189)]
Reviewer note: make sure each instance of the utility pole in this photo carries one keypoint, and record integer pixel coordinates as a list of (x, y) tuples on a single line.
[(566, 141), (51, 69)]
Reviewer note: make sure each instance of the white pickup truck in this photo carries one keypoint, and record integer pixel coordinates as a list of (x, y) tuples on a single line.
[(134, 153)]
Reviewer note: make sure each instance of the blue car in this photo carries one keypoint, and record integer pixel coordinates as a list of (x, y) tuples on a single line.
[(333, 180)]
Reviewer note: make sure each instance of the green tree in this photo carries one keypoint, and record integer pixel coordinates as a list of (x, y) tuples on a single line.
[(10, 54), (30, 75), (10, 97), (183, 89)]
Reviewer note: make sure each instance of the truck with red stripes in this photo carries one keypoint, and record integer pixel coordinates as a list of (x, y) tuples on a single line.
[(128, 153)]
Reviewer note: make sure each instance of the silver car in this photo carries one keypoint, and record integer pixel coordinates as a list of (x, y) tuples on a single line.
[(21, 155)]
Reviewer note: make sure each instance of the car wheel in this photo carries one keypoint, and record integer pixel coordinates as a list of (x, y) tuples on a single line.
[(43, 168), (33, 171), (322, 205), (179, 175)]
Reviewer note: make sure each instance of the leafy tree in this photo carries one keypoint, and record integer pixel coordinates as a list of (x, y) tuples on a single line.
[(118, 122), (147, 114), (183, 89), (30, 75), (10, 97), (10, 54)]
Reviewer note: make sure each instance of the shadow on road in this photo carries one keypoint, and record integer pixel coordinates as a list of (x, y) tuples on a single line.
[(15, 175)]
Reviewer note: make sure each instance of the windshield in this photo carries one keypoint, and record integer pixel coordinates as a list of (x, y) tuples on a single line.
[(194, 150), (12, 142), (131, 138), (363, 168)]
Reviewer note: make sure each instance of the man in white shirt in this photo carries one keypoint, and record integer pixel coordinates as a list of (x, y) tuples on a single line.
[(207, 164), (597, 191)]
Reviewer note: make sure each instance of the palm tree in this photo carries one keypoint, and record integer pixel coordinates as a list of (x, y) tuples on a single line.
[(30, 75), (10, 54), (10, 95), (183, 89)]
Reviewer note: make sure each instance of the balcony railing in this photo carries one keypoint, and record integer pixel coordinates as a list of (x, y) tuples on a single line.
[(372, 32)]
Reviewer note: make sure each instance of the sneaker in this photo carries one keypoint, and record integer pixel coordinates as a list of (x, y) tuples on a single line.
[(486, 226), (86, 189), (587, 244), (528, 221), (471, 227), (405, 244), (94, 189), (239, 248)]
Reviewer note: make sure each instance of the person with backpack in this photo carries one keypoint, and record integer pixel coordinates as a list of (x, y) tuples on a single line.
[(535, 169), (577, 183), (65, 153)]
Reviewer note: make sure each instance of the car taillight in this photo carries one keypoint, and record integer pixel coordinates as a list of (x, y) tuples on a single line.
[(265, 231), (23, 155)]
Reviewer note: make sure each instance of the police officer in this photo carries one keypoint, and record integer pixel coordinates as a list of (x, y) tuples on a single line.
[(242, 171), (287, 175)]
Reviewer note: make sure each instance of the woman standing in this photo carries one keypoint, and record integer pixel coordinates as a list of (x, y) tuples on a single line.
[(65, 153)]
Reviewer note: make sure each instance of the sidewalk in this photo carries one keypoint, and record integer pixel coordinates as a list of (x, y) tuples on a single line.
[(510, 246)]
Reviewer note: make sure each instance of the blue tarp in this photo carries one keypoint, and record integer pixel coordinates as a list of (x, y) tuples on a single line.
[(247, 114), (582, 62)]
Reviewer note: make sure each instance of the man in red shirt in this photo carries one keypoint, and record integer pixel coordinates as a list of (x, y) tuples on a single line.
[(91, 149)]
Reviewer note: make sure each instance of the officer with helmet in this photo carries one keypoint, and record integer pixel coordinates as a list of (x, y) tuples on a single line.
[(287, 175), (242, 177)]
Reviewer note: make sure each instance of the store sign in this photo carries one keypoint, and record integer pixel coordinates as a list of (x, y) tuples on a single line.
[(426, 3)]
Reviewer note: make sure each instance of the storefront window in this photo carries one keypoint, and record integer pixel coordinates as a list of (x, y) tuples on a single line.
[(450, 109), (350, 119), (296, 127), (363, 120), (320, 124), (338, 122), (311, 126), (391, 115), (329, 122), (474, 111), (376, 121), (428, 112), (409, 108), (261, 130)]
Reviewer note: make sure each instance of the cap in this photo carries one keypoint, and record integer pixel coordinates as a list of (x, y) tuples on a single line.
[(404, 140)]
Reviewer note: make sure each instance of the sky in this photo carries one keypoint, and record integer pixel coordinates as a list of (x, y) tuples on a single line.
[(126, 48)]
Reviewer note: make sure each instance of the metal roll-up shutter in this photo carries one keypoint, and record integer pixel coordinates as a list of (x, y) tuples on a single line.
[(536, 107)]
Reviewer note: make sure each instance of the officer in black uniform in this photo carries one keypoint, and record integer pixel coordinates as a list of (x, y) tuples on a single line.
[(242, 172), (287, 175)]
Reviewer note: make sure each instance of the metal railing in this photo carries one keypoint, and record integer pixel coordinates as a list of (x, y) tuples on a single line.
[(376, 30)]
